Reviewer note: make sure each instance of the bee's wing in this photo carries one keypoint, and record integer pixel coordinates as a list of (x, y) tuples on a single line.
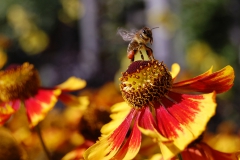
[(126, 35)]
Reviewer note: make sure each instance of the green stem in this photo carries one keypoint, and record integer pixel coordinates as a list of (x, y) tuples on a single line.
[(180, 156), (37, 127)]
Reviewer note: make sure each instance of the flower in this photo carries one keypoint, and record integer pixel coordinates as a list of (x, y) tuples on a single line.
[(226, 139), (199, 150), (22, 84), (94, 117), (173, 114), (202, 151)]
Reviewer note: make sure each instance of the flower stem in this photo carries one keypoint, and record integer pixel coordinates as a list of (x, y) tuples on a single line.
[(179, 156), (37, 127)]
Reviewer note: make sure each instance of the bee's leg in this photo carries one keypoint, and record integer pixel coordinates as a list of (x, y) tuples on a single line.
[(139, 49), (141, 55), (150, 53)]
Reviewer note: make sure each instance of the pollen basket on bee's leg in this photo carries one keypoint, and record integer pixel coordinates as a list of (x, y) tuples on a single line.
[(145, 82)]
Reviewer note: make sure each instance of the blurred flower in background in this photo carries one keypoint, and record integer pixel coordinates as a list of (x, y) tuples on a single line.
[(22, 84), (31, 38), (202, 151), (226, 139)]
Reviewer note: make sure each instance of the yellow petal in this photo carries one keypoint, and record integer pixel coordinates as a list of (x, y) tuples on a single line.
[(119, 112), (175, 70), (72, 84)]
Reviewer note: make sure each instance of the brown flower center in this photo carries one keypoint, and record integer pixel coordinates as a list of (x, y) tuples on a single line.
[(145, 82), (19, 82)]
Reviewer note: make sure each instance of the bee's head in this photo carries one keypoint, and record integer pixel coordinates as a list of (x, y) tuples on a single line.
[(147, 34)]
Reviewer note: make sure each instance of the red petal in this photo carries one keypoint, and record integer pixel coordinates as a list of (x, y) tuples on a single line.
[(7, 109), (40, 104), (146, 120), (219, 81)]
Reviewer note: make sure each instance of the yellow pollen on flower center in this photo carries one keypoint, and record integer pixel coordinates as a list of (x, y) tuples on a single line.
[(19, 82), (145, 82)]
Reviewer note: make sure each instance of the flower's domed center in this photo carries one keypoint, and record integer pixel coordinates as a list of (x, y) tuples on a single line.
[(19, 82), (145, 82)]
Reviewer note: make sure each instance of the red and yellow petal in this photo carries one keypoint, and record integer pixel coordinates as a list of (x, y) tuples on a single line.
[(130, 149), (108, 145), (219, 81), (74, 101), (38, 106), (72, 84), (181, 119), (7, 109)]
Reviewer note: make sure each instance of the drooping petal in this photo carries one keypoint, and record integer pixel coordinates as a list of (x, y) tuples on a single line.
[(7, 109), (182, 118), (219, 81), (40, 104), (130, 149), (108, 146), (72, 84)]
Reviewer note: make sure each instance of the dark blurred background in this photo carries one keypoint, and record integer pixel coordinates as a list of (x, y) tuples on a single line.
[(64, 38)]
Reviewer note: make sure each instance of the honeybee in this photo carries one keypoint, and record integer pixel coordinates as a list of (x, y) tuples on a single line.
[(138, 40)]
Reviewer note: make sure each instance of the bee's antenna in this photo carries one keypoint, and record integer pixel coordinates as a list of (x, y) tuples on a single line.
[(154, 28)]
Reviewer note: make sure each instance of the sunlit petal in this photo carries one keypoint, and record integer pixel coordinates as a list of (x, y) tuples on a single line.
[(72, 84), (108, 146), (7, 109), (118, 113), (40, 104), (219, 81), (182, 118)]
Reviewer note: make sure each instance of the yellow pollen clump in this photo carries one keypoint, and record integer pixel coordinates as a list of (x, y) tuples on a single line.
[(19, 82), (145, 82)]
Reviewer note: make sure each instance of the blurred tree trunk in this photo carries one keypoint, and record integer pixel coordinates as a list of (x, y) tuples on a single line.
[(160, 13), (161, 43), (89, 47)]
